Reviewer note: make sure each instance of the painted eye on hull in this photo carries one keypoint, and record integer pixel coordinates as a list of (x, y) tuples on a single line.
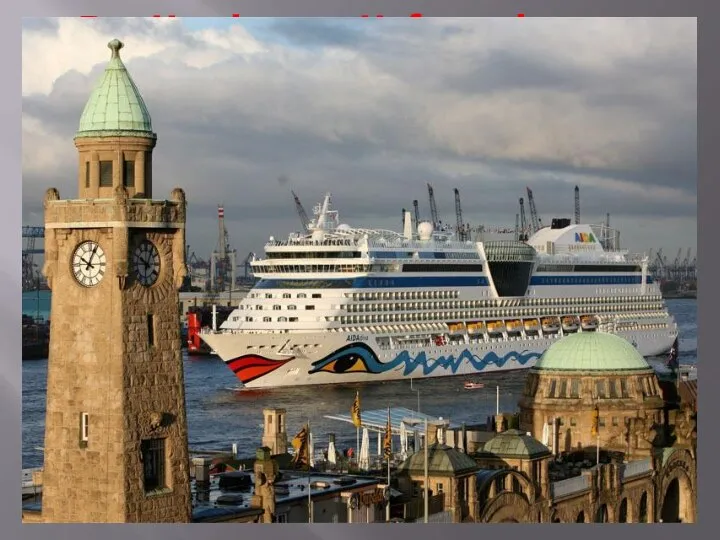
[(347, 363), (352, 359)]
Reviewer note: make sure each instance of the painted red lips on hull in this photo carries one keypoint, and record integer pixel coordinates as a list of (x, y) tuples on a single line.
[(250, 367)]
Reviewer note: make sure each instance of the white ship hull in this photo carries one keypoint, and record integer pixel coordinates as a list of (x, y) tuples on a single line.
[(281, 360)]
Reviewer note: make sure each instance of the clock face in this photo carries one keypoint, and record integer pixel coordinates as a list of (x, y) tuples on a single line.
[(146, 262), (88, 264)]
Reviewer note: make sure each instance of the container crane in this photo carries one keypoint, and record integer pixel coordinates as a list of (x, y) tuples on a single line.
[(535, 220), (433, 208), (301, 212), (523, 237), (458, 216), (577, 205), (30, 276)]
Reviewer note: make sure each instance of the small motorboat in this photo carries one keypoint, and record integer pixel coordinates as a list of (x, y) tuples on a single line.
[(531, 326), (473, 385), (570, 323), (495, 327), (588, 322), (550, 325), (474, 328), (514, 327)]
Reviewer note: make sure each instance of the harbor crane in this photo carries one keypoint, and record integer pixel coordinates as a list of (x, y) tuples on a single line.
[(577, 205), (433, 208), (462, 230), (301, 212), (222, 260), (30, 275), (523, 235), (535, 221), (247, 267)]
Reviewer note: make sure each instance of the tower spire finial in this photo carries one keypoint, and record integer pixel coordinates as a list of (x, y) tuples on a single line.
[(115, 45)]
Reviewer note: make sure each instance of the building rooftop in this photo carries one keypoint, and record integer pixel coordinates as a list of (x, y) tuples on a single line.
[(230, 494), (115, 107), (591, 351), (442, 460), (515, 444)]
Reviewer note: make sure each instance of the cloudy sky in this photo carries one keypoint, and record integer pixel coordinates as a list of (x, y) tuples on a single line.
[(371, 110)]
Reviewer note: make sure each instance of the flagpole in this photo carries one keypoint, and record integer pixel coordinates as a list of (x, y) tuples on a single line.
[(387, 509), (309, 458), (427, 479)]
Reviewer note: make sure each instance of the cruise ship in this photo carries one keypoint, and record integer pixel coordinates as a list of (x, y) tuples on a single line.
[(337, 304)]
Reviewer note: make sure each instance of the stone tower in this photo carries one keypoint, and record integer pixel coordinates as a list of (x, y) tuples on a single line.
[(274, 433), (116, 431)]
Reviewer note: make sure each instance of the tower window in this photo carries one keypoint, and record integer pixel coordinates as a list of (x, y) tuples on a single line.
[(151, 330), (129, 174), (87, 174), (153, 457), (84, 421), (106, 174)]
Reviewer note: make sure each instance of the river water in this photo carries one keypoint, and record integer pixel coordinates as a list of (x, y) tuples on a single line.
[(220, 415)]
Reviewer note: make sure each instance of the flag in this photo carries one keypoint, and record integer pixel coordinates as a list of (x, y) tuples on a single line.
[(355, 411), (672, 362), (596, 421), (301, 446), (387, 445)]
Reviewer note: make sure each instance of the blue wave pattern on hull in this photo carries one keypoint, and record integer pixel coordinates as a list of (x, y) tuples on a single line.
[(453, 363), (360, 358)]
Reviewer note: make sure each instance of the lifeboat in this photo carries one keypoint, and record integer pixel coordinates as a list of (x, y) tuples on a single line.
[(475, 327), (550, 325), (569, 324), (473, 385), (589, 322), (456, 327), (495, 327), (514, 327), (531, 326)]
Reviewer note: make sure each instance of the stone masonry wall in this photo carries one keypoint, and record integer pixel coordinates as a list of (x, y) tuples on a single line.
[(100, 363)]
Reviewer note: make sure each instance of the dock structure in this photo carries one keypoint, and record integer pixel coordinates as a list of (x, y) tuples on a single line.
[(376, 420)]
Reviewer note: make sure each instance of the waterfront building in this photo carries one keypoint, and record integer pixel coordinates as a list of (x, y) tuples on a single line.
[(590, 396)]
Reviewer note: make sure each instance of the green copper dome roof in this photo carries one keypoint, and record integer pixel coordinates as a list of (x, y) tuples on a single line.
[(515, 444), (442, 461), (115, 107), (592, 351)]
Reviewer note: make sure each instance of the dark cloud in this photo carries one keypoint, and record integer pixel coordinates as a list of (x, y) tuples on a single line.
[(246, 130)]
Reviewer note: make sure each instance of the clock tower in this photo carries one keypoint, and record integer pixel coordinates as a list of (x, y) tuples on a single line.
[(115, 429)]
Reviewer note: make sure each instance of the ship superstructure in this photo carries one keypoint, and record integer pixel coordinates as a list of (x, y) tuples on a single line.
[(337, 304)]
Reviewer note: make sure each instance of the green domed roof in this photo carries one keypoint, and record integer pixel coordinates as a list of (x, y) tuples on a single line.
[(442, 461), (592, 351), (515, 444), (115, 107)]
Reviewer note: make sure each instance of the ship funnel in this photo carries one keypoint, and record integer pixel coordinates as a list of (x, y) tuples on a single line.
[(407, 226)]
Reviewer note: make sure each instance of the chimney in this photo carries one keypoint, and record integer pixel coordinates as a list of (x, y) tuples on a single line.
[(407, 226)]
